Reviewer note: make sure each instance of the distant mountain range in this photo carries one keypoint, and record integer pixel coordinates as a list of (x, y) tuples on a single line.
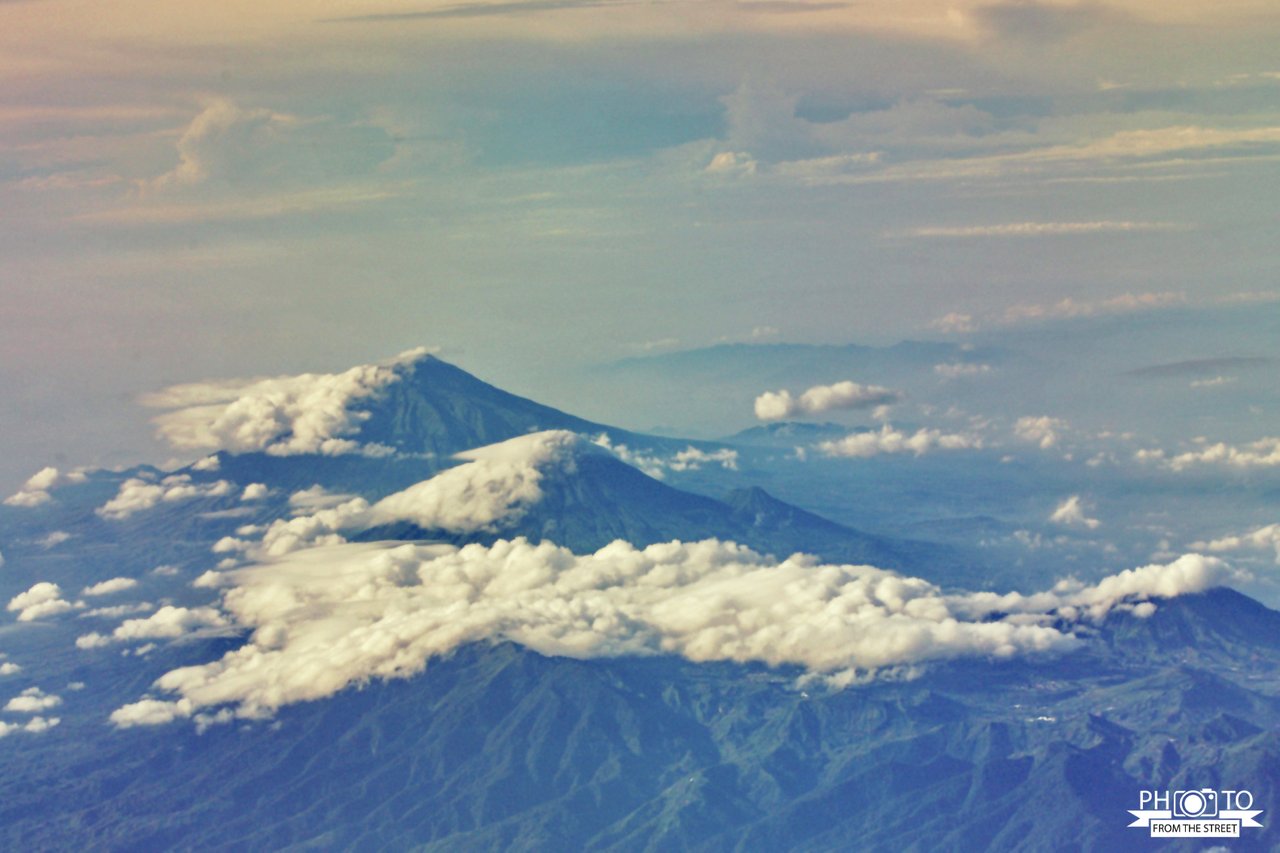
[(495, 746)]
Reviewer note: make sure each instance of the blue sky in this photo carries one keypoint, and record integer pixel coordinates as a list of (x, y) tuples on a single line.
[(192, 191)]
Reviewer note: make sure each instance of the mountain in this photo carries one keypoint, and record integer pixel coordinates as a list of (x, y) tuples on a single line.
[(499, 747), (655, 721)]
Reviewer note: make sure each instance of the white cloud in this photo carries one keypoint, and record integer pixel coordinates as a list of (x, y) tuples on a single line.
[(315, 498), (326, 618), (41, 600), (776, 405), (656, 466), (1215, 382), (207, 464), (1071, 513), (1064, 309), (283, 416), (254, 492), (32, 701), (165, 571), (961, 370), (109, 586), (891, 440), (1260, 539), (136, 494), (1042, 430), (35, 491), (1263, 453), (167, 623), (955, 323), (8, 667), (53, 539), (118, 610), (35, 725), (1037, 229)]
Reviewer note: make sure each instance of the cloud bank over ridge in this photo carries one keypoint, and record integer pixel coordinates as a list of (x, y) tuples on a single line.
[(332, 616)]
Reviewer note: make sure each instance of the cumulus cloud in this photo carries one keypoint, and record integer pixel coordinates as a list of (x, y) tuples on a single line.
[(326, 618), (109, 586), (497, 484), (254, 492), (891, 440), (227, 144), (53, 539), (1071, 513), (656, 465), (41, 600), (35, 491), (35, 725), (776, 405), (1263, 453), (1042, 430), (31, 701), (137, 494), (8, 667), (208, 464), (167, 623), (1260, 539), (282, 416)]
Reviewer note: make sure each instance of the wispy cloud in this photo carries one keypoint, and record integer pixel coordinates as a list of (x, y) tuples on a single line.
[(1035, 229)]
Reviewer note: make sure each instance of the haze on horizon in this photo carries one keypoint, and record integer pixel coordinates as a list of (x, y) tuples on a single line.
[(197, 191)]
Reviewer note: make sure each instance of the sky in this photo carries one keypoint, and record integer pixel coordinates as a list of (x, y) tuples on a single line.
[(206, 190)]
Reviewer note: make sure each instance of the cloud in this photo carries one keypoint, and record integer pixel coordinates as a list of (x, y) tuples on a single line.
[(136, 494), (961, 371), (35, 725), (496, 486), (234, 146), (108, 587), (8, 667), (326, 618), (52, 539), (776, 405), (167, 623), (117, 611), (1071, 513), (1260, 539), (955, 323), (283, 416), (32, 701), (36, 490), (1064, 309), (1202, 366), (41, 600), (208, 464), (656, 466), (891, 440), (1044, 22), (1263, 453), (1035, 229), (254, 492), (1042, 430), (315, 498)]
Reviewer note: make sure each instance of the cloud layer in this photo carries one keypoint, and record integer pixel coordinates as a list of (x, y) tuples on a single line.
[(283, 416), (328, 617), (891, 440)]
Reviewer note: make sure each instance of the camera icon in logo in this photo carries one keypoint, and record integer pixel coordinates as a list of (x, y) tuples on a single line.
[(1201, 803)]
